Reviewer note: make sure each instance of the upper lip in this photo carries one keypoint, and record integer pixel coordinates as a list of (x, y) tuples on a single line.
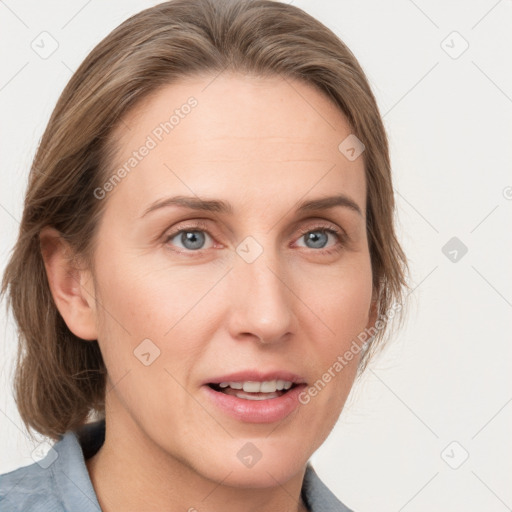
[(256, 376)]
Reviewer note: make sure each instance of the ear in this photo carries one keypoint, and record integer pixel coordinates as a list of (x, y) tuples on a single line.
[(71, 287)]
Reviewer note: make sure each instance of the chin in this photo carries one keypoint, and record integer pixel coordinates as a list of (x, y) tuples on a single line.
[(262, 475), (274, 469)]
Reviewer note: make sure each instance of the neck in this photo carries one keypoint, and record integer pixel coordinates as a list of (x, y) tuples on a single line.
[(131, 473)]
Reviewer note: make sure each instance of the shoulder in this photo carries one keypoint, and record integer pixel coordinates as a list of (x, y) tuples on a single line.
[(30, 488), (57, 483), (317, 495)]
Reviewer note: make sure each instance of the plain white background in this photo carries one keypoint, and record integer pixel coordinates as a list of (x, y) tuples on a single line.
[(429, 426)]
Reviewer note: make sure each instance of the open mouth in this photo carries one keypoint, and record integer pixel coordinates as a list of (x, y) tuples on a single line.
[(251, 390)]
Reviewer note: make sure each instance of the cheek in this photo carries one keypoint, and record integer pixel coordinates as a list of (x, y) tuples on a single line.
[(145, 336), (341, 299), (341, 305), (157, 304)]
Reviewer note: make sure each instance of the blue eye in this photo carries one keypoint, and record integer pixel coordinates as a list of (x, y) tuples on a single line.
[(319, 238), (191, 240)]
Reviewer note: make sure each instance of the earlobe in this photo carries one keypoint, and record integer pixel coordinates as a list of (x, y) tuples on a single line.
[(71, 286)]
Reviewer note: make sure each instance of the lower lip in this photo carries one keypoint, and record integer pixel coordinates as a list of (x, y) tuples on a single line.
[(256, 411)]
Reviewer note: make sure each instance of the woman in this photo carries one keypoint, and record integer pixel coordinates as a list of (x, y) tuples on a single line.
[(206, 262)]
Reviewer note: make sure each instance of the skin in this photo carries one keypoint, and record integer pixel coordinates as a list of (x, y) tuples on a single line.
[(263, 145)]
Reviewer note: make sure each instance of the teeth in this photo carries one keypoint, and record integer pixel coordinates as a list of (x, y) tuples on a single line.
[(251, 387), (249, 396), (268, 386)]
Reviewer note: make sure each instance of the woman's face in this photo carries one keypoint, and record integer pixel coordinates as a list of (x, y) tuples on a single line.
[(239, 285)]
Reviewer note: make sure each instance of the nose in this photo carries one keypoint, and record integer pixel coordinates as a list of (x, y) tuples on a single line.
[(261, 301)]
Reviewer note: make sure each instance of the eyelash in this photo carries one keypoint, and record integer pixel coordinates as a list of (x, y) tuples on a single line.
[(202, 226)]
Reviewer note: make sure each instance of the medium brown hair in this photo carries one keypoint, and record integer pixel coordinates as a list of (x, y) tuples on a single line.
[(60, 379)]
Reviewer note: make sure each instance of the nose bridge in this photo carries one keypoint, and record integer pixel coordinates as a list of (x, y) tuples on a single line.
[(262, 301)]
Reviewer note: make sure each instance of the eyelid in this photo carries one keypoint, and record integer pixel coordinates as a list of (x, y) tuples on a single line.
[(317, 224), (194, 225), (340, 235)]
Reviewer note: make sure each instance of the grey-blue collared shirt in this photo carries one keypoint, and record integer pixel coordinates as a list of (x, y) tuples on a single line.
[(60, 481)]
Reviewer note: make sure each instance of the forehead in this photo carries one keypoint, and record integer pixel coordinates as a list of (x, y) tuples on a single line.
[(234, 135)]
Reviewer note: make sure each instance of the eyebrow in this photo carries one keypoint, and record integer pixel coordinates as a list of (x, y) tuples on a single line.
[(219, 206)]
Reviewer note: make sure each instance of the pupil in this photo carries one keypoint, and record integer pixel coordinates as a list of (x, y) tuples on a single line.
[(317, 238), (192, 239)]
